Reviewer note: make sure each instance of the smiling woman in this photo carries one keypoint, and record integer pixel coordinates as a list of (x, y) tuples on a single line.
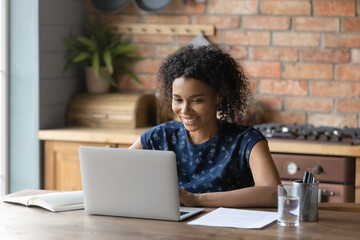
[(219, 162)]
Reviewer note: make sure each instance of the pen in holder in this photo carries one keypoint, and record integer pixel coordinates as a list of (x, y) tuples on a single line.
[(308, 200)]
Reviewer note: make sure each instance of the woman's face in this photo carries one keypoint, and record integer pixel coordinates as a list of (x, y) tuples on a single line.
[(194, 102)]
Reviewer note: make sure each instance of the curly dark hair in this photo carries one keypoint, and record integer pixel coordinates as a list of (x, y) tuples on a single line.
[(213, 66)]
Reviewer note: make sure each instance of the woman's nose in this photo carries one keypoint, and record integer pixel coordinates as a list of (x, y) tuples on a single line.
[(185, 108)]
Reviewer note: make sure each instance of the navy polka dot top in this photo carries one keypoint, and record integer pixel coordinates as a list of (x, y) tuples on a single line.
[(219, 164)]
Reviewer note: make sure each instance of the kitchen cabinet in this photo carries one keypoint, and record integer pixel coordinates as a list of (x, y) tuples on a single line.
[(61, 155), (321, 149), (61, 161)]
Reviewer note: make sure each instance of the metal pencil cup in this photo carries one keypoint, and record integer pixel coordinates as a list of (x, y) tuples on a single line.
[(308, 196)]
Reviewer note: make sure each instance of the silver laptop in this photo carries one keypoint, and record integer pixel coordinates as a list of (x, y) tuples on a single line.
[(131, 183)]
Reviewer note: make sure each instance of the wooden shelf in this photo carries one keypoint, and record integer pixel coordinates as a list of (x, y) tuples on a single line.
[(166, 29)]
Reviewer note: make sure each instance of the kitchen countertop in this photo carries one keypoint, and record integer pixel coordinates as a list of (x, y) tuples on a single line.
[(101, 135), (129, 136)]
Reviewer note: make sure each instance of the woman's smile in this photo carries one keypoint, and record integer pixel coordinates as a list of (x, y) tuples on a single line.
[(189, 120)]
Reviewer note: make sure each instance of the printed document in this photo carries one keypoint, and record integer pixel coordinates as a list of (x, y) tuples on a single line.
[(236, 218)]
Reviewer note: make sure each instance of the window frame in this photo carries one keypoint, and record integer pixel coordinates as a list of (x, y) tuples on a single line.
[(4, 94)]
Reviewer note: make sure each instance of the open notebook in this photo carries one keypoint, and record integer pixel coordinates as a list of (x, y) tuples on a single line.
[(54, 202)]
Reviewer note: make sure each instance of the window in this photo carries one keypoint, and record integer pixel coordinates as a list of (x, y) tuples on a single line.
[(3, 98)]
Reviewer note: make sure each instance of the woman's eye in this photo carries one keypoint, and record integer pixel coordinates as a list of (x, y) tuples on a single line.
[(177, 100), (197, 100)]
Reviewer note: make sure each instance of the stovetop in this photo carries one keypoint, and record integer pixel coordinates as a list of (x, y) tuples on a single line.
[(308, 132)]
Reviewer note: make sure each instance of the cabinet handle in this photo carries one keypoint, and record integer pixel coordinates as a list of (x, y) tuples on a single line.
[(325, 192)]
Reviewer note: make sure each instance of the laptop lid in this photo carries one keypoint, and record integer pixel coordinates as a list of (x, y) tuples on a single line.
[(130, 183)]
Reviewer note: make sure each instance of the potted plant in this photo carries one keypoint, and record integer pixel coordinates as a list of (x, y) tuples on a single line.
[(103, 54)]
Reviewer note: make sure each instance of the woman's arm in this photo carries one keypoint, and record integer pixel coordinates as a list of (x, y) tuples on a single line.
[(263, 194), (136, 144)]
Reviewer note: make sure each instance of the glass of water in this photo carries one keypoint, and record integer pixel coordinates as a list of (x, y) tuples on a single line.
[(288, 207)]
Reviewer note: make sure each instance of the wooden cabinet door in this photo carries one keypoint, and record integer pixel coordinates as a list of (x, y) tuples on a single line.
[(62, 166)]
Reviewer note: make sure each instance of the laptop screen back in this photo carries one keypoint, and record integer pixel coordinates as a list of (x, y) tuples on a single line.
[(130, 183)]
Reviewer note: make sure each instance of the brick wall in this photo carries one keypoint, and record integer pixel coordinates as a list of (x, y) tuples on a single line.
[(303, 56)]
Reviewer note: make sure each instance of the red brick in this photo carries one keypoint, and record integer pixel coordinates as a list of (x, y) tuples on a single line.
[(308, 71), (329, 56), (247, 38), (182, 39), (254, 85), (284, 117), (284, 87), (351, 24), (147, 66), (270, 103), (309, 104), (111, 18), (148, 82), (281, 54), (355, 55), (348, 105), (167, 19), (178, 7), (152, 38), (282, 7), (235, 7), (343, 40), (266, 23), (146, 50), (164, 51), (239, 52), (332, 120), (296, 39), (263, 69), (348, 72), (334, 8), (220, 22), (317, 24), (334, 89)]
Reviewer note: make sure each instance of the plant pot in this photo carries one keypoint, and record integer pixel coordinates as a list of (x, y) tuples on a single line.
[(96, 84)]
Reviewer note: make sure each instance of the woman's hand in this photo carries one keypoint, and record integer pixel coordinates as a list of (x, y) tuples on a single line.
[(186, 198)]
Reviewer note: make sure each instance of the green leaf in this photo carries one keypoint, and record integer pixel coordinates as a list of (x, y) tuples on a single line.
[(88, 42), (82, 56), (96, 64), (115, 41), (107, 78), (123, 60), (108, 61), (70, 42), (131, 73), (124, 49)]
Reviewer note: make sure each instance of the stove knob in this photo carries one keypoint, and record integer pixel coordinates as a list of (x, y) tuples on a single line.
[(317, 170), (291, 168)]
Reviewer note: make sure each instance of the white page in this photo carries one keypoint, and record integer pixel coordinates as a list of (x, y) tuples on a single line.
[(236, 218), (55, 202), (62, 198)]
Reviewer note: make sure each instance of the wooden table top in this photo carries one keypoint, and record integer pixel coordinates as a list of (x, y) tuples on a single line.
[(19, 222)]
